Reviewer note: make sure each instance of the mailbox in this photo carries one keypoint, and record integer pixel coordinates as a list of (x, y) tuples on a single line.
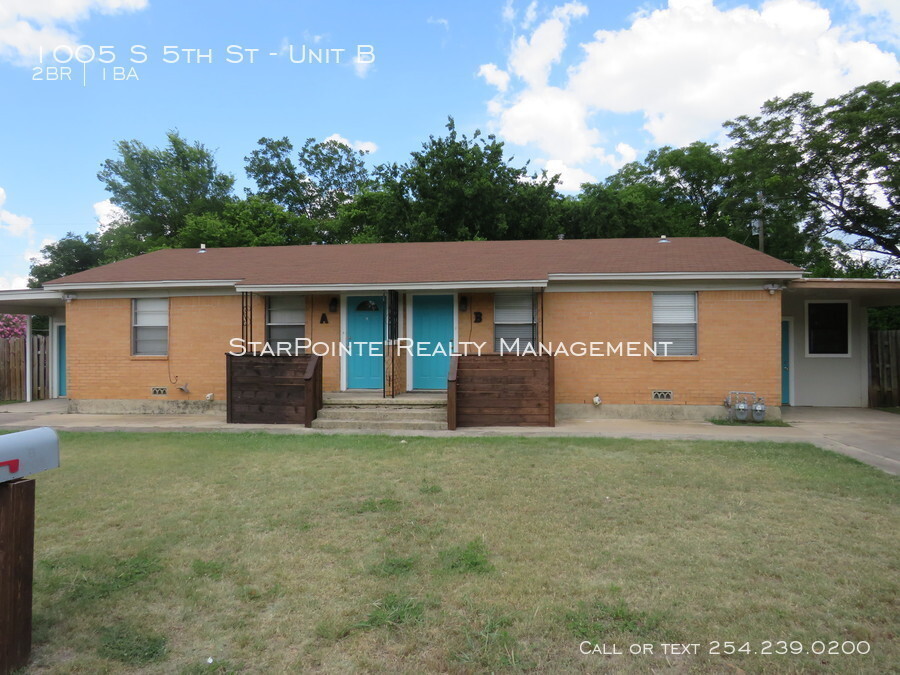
[(28, 452)]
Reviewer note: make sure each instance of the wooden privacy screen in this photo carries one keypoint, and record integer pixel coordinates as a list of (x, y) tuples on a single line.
[(274, 389), (495, 390)]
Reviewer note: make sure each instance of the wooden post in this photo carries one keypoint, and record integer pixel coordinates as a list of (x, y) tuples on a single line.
[(451, 393), (16, 572)]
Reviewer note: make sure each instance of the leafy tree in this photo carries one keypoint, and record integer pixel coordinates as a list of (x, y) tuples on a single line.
[(71, 254), (159, 188), (455, 188), (324, 176), (837, 163), (250, 222)]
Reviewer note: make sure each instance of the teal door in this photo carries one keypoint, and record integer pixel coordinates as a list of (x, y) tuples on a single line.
[(432, 334), (786, 362), (61, 360), (365, 340)]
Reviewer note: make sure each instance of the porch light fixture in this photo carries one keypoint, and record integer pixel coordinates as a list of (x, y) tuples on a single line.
[(332, 306), (464, 303)]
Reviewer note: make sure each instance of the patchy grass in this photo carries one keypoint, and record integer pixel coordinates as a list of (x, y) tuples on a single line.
[(725, 422), (271, 553), (896, 411), (131, 645), (472, 557)]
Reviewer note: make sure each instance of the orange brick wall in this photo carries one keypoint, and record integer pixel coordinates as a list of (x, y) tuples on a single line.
[(739, 346), (99, 360)]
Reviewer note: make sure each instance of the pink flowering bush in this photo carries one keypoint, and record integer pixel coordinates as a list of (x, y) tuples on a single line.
[(12, 325)]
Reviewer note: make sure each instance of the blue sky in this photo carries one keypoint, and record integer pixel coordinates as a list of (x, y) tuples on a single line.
[(578, 88)]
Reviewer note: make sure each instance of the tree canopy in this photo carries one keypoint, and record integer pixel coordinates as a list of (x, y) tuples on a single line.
[(821, 180)]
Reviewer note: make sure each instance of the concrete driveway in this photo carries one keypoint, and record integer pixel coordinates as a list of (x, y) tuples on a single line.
[(871, 436)]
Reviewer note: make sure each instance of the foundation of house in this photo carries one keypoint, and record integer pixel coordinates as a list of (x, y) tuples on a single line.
[(588, 411)]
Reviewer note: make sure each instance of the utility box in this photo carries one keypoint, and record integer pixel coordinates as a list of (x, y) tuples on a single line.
[(21, 454)]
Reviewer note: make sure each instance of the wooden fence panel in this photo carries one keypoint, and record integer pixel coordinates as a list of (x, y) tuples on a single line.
[(12, 368), (274, 389), (507, 390), (884, 368)]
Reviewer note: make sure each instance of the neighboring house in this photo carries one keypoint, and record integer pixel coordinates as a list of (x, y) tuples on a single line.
[(715, 312)]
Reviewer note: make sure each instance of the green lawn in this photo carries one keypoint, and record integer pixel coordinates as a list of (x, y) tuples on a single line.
[(277, 553)]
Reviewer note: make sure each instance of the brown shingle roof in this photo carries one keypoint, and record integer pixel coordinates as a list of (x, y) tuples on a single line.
[(464, 261)]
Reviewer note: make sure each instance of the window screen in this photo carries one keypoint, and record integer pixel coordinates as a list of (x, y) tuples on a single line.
[(285, 320), (514, 318), (150, 327), (675, 322)]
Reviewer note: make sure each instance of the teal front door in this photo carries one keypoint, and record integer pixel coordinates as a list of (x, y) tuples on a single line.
[(432, 334), (786, 362), (61, 360), (365, 342)]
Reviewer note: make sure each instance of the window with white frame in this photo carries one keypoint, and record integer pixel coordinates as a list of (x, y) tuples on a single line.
[(514, 319), (285, 321), (828, 328), (150, 326), (675, 323)]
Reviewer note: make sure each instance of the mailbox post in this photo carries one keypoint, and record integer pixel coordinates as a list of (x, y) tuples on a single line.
[(21, 454)]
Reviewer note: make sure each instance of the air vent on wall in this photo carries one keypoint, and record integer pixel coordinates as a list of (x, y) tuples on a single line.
[(159, 391), (661, 395)]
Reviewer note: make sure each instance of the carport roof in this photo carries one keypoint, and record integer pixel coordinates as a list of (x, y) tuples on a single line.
[(869, 292)]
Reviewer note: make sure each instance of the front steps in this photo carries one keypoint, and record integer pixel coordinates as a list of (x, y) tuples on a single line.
[(408, 412)]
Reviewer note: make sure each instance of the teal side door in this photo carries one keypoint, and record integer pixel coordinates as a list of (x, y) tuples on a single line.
[(432, 334), (61, 360), (786, 362), (365, 338)]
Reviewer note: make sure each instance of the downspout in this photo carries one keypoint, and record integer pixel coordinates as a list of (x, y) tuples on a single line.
[(28, 376)]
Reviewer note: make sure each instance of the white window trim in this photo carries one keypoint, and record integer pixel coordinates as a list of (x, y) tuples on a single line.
[(533, 323), (806, 305), (134, 326), (303, 316), (695, 323)]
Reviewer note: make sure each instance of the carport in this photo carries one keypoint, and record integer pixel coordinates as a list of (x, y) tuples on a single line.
[(51, 304)]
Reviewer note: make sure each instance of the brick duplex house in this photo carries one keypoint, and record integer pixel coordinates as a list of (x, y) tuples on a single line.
[(657, 327)]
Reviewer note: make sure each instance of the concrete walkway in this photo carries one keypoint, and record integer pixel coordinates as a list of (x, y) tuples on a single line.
[(870, 436)]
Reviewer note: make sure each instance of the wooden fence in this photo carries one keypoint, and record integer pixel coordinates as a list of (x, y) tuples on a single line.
[(12, 368), (495, 390), (274, 389), (884, 368)]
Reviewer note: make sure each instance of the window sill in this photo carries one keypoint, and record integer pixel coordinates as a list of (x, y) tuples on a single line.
[(148, 357), (676, 358)]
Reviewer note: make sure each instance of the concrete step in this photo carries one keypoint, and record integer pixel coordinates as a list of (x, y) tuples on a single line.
[(380, 425), (417, 401), (386, 413)]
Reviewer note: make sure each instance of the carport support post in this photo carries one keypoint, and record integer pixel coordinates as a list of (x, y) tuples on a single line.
[(28, 358), (16, 572)]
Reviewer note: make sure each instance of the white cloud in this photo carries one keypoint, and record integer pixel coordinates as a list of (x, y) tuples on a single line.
[(883, 17), (685, 69), (37, 255), (27, 26), (10, 282), (361, 66), (439, 22), (692, 66), (531, 59), (107, 213), (570, 178), (363, 146), (530, 15), (494, 76), (15, 225)]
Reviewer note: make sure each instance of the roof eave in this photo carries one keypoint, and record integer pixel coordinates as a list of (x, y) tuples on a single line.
[(679, 276)]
